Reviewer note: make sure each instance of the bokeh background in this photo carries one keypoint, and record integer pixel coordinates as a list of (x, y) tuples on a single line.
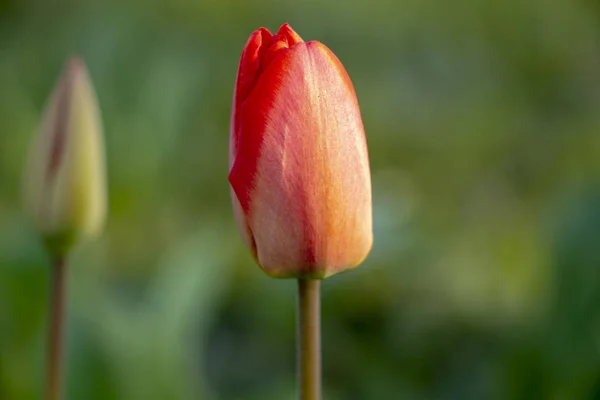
[(483, 122)]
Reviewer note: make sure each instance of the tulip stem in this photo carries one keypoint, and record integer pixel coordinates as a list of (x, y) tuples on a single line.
[(309, 339), (58, 294)]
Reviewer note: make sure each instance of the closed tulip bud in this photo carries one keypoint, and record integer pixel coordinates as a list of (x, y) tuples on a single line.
[(65, 185), (298, 160)]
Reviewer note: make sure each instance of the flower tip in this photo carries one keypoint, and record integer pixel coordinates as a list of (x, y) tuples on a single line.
[(262, 33), (291, 36), (75, 66), (75, 61), (74, 73)]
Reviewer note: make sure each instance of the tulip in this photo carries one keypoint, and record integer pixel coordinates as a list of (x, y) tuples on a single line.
[(65, 192), (299, 174), (65, 185), (298, 160)]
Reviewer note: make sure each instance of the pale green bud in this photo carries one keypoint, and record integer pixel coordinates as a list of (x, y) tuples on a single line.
[(65, 182)]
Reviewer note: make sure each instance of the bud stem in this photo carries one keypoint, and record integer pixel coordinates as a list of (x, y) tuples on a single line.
[(58, 292), (309, 339)]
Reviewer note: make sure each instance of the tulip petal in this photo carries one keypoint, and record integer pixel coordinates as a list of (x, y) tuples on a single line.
[(248, 72), (250, 63), (57, 134)]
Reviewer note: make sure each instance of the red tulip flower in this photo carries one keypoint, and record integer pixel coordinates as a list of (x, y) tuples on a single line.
[(299, 166)]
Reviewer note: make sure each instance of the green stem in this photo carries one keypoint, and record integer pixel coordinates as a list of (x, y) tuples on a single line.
[(58, 294), (309, 339)]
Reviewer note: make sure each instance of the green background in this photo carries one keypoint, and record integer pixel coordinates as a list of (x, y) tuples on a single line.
[(483, 124)]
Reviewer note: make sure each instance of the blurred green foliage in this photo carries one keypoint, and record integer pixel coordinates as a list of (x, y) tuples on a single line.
[(483, 124)]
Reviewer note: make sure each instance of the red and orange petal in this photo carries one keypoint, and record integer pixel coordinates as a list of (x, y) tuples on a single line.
[(250, 61)]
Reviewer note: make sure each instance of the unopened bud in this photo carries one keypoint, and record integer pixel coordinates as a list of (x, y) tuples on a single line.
[(65, 183)]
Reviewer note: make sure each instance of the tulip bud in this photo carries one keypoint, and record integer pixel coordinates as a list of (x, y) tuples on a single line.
[(298, 160), (65, 185)]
